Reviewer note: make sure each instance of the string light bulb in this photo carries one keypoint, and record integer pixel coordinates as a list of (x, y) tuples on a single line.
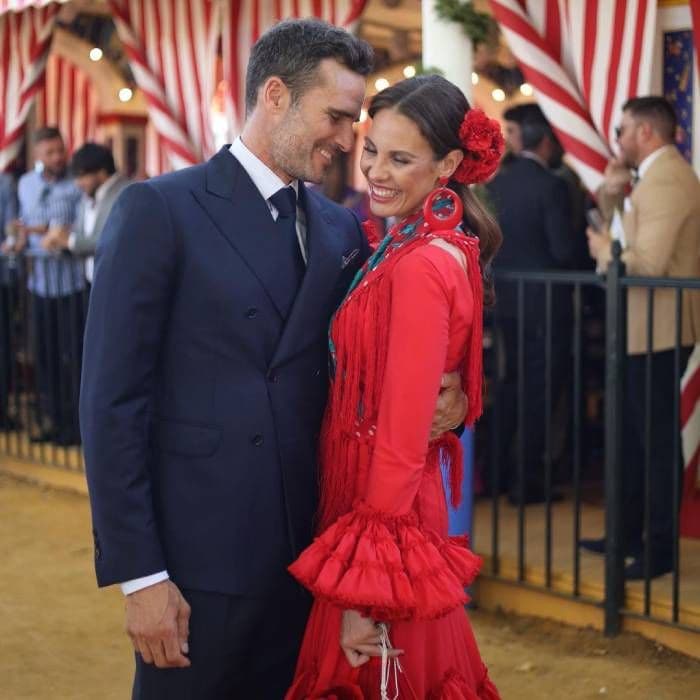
[(381, 84)]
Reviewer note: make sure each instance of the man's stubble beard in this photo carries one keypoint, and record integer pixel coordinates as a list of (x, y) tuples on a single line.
[(290, 149)]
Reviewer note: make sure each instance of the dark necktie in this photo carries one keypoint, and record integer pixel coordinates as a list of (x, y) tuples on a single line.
[(291, 264)]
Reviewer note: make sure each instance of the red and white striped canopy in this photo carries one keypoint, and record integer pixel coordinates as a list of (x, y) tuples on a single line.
[(68, 101), (20, 5), (585, 58), (25, 40), (172, 47)]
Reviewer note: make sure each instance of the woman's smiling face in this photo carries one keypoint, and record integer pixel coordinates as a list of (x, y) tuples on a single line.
[(400, 165)]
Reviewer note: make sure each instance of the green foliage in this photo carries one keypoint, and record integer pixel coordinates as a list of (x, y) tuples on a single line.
[(480, 27), (428, 70)]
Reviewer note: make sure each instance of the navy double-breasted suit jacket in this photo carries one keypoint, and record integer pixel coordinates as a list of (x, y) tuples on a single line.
[(201, 405)]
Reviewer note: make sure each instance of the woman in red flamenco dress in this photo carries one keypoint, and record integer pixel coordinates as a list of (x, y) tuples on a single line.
[(388, 619)]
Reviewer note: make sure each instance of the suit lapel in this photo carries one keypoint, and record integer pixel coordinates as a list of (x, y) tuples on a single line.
[(242, 216), (110, 197), (311, 310)]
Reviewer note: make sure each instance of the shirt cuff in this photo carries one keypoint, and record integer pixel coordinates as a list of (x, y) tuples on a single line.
[(136, 584), (71, 241)]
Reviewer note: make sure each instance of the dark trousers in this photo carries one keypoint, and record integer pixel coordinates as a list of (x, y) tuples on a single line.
[(240, 647), (535, 369), (58, 343), (663, 467), (5, 350)]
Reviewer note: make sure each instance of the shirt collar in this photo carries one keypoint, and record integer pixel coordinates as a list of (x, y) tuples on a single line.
[(263, 178), (647, 162), (535, 157), (101, 191)]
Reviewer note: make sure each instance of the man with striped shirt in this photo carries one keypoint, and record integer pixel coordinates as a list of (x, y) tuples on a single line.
[(48, 199)]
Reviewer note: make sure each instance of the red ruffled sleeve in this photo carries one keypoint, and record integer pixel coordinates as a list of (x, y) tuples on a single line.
[(386, 567)]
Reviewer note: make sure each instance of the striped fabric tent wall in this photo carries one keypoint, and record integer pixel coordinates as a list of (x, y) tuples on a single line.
[(585, 58), (69, 101), (171, 46), (25, 41)]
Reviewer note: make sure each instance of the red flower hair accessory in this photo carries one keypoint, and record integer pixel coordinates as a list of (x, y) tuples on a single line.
[(483, 144)]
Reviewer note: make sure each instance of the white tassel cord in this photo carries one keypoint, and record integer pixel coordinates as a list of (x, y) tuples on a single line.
[(391, 667)]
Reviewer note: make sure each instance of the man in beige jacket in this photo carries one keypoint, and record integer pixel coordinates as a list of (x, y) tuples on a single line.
[(659, 211)]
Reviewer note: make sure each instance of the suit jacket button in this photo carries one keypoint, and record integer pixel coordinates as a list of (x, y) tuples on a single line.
[(252, 312), (257, 440), (272, 377), (98, 552)]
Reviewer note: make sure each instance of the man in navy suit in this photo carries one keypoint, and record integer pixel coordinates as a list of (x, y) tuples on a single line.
[(204, 378), (534, 212)]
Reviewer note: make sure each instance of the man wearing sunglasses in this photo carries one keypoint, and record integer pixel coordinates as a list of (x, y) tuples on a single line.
[(659, 208)]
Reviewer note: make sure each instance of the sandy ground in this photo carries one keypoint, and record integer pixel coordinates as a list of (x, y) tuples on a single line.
[(63, 638)]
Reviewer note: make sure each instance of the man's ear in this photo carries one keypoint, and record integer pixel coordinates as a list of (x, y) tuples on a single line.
[(646, 130), (274, 95), (450, 163)]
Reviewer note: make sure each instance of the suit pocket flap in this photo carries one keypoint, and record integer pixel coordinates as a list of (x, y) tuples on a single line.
[(186, 439)]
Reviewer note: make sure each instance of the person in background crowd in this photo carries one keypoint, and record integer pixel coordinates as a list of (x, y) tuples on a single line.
[(533, 210), (48, 202), (8, 204), (579, 200), (512, 119), (660, 237), (8, 213), (95, 174)]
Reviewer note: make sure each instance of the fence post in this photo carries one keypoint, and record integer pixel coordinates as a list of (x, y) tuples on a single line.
[(615, 351)]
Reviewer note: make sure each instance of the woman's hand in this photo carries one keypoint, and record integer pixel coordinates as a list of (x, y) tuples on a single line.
[(359, 639)]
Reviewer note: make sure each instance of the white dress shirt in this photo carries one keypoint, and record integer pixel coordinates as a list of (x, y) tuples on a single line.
[(267, 183), (90, 219)]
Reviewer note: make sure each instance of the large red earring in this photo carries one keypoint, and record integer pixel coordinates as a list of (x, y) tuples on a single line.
[(443, 208)]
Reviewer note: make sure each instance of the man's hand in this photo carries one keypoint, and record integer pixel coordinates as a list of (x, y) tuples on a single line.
[(451, 409), (617, 177), (157, 620), (17, 237), (359, 639), (598, 241), (56, 239)]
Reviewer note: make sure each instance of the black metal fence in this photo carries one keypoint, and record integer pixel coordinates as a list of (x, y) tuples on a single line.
[(558, 427), (555, 424), (43, 302)]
